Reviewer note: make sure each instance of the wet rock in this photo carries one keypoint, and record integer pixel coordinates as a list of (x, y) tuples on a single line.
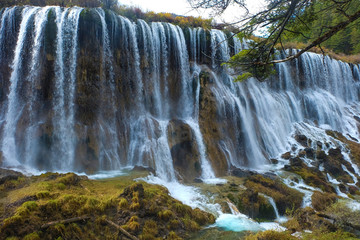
[(309, 153), (270, 175), (241, 172), (286, 155), (302, 139), (143, 169), (287, 168), (321, 155), (296, 162), (184, 150), (343, 188), (319, 144), (198, 180), (251, 203), (302, 154), (217, 129), (274, 161), (353, 190), (333, 163)]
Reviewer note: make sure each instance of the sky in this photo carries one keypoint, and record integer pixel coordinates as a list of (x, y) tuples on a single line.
[(182, 7)]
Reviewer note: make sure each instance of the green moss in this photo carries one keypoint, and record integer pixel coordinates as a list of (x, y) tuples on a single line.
[(173, 236), (43, 194), (134, 206), (69, 179), (30, 205), (321, 235), (271, 235), (134, 226), (283, 196), (191, 225), (314, 179), (353, 146), (173, 224), (15, 220), (32, 236), (166, 215), (150, 228), (100, 199), (123, 203), (60, 186), (46, 186)]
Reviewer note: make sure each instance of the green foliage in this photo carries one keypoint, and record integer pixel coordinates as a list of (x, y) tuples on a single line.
[(243, 77), (321, 14), (249, 62), (333, 24)]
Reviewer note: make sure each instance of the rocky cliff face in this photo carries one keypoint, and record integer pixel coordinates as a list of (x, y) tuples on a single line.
[(88, 90)]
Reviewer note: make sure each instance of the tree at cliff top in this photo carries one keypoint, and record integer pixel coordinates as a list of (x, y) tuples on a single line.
[(315, 22)]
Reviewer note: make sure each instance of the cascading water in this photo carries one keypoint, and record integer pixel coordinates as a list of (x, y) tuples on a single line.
[(13, 109), (65, 72), (99, 92)]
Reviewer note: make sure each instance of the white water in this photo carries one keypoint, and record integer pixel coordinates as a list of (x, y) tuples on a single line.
[(40, 21), (273, 204), (13, 109), (63, 120)]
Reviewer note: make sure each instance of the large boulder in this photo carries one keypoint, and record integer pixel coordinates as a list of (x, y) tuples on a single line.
[(184, 150)]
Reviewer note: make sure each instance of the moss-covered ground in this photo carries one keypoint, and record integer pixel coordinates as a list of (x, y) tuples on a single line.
[(33, 208)]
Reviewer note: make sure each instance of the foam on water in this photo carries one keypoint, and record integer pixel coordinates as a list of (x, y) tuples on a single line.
[(188, 195), (354, 205), (108, 174)]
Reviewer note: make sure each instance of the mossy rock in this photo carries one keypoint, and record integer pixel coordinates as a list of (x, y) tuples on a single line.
[(283, 196), (254, 205)]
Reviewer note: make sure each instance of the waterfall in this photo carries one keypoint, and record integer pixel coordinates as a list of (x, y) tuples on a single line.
[(109, 157), (13, 111), (96, 91), (40, 21), (65, 72)]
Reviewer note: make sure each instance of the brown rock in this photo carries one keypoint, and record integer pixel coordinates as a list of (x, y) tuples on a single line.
[(286, 155), (184, 149)]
